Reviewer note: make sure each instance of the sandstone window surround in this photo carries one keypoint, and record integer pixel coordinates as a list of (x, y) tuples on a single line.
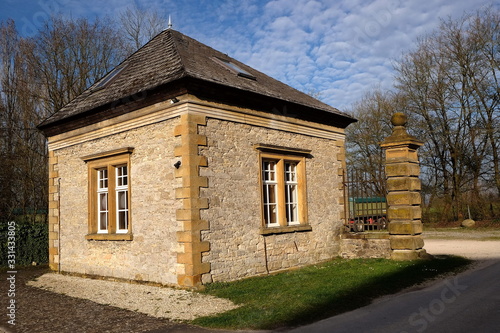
[(283, 189), (109, 214)]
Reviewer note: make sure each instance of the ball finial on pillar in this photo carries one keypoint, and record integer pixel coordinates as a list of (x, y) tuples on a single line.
[(399, 119)]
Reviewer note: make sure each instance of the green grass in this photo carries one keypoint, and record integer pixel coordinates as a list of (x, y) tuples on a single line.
[(312, 293)]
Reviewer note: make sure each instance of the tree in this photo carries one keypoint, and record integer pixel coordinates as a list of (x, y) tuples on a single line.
[(68, 56), (22, 148), (364, 154), (448, 86), (140, 26), (38, 76)]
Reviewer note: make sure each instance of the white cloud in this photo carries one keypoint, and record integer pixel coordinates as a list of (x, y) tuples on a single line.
[(340, 48)]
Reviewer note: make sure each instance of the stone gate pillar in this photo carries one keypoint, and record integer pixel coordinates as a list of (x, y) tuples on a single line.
[(403, 186)]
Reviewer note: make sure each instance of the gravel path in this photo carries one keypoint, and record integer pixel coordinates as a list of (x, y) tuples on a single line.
[(160, 302), (43, 311)]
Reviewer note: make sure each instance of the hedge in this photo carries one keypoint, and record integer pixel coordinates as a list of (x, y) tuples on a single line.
[(31, 242)]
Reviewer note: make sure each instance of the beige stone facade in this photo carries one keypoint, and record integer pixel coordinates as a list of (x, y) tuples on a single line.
[(151, 254), (237, 248), (202, 221)]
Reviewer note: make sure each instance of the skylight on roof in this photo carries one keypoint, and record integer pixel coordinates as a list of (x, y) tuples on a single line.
[(235, 68), (110, 76)]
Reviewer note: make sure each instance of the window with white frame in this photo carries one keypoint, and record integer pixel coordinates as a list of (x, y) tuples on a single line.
[(109, 195), (270, 193), (291, 189), (283, 187), (121, 199), (102, 201)]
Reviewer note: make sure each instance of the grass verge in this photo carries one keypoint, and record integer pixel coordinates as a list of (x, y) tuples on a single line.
[(316, 292)]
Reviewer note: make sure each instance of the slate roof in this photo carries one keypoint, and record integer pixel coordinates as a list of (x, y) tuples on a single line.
[(172, 56)]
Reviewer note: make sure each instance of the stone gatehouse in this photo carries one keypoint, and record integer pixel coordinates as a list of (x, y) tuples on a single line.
[(184, 166)]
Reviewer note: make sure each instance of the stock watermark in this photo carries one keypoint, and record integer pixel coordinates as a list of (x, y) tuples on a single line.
[(425, 315), (11, 273)]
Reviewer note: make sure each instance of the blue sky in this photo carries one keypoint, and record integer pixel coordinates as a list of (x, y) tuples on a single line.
[(337, 48)]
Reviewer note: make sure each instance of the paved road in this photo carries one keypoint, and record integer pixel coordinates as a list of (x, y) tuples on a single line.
[(468, 302)]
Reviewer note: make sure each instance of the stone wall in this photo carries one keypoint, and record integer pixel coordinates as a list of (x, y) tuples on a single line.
[(352, 248), (237, 249), (152, 254)]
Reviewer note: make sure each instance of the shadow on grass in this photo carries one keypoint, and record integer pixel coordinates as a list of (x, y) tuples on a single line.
[(313, 293)]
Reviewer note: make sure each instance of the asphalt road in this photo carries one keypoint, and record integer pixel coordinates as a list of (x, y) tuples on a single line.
[(468, 302)]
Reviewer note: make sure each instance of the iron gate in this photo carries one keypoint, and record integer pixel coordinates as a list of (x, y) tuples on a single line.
[(365, 202)]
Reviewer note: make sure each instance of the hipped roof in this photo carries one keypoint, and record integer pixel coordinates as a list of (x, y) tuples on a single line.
[(174, 57)]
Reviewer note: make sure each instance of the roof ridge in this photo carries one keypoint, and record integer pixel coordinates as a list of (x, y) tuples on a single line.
[(171, 32)]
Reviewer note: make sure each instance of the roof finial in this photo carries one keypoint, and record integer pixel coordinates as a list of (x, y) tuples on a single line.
[(169, 22)]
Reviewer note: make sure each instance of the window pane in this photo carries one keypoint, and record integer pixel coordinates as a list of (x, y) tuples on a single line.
[(122, 210), (291, 204), (103, 221), (103, 211), (269, 170), (122, 220), (121, 176), (290, 172), (102, 178), (103, 202), (271, 215), (291, 201), (269, 191), (122, 200)]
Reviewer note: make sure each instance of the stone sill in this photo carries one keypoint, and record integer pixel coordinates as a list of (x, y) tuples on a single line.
[(110, 237), (284, 230), (365, 235)]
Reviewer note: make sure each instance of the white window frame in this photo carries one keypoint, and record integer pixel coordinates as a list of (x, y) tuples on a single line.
[(102, 190), (113, 161), (270, 189), (291, 197), (281, 157), (120, 187)]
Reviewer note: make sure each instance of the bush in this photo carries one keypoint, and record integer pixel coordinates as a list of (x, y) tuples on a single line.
[(31, 242)]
